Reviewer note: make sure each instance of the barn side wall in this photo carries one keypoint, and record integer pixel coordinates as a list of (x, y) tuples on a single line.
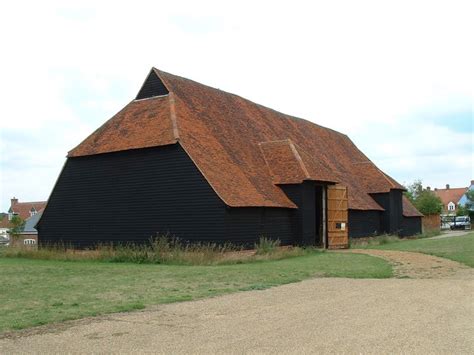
[(364, 223), (392, 218), (131, 196), (248, 224), (411, 226), (396, 211), (305, 220)]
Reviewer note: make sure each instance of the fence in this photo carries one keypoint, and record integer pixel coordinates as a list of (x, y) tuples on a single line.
[(431, 222)]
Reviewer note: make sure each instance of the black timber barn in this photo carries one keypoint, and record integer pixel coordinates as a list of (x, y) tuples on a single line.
[(195, 162)]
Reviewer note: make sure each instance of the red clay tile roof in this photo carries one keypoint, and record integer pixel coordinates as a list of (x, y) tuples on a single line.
[(4, 222), (140, 124), (22, 209), (409, 210), (451, 194), (234, 143), (291, 165)]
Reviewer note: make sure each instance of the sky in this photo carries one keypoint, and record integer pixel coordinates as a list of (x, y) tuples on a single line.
[(395, 76)]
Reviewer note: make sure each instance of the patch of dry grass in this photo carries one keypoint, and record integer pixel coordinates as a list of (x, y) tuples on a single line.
[(388, 239), (162, 250)]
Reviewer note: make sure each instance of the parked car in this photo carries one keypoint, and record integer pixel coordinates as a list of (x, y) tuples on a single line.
[(461, 222)]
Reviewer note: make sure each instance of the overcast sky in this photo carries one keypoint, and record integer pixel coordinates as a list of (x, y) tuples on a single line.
[(395, 76)]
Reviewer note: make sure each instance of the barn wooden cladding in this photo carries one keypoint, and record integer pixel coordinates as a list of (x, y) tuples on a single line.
[(265, 167)]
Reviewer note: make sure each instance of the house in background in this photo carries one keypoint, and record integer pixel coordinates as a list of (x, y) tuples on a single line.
[(29, 232), (463, 201), (28, 211), (3, 229), (205, 165), (451, 197)]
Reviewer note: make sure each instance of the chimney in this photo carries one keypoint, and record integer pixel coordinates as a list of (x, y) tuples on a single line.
[(447, 186), (14, 201)]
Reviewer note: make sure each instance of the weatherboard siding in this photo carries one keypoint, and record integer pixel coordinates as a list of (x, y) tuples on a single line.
[(248, 224), (411, 226), (364, 223), (131, 196), (392, 218)]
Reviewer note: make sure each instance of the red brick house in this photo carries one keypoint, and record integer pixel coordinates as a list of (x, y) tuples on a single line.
[(26, 211), (450, 198)]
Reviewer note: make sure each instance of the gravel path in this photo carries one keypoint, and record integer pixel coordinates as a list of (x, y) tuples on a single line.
[(449, 234), (327, 315), (419, 266)]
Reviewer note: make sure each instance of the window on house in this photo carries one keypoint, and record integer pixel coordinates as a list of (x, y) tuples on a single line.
[(451, 206)]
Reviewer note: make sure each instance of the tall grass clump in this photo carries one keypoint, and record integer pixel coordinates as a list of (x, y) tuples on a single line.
[(166, 250), (160, 250), (266, 246)]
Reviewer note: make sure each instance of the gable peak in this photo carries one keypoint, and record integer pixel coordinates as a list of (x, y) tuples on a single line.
[(153, 86)]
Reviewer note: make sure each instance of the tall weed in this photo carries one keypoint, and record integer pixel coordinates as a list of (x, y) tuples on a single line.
[(159, 250)]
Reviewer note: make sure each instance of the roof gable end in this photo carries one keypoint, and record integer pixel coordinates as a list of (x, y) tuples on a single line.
[(153, 86)]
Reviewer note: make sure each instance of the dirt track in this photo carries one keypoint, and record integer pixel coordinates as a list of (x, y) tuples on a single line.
[(315, 316), (419, 266)]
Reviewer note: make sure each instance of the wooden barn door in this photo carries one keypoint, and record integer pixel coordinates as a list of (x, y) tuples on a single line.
[(338, 234)]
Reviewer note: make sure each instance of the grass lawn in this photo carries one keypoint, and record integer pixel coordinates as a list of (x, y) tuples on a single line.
[(459, 248), (36, 292)]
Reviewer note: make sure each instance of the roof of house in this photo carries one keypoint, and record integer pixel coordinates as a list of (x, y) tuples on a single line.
[(22, 209), (4, 222), (243, 149), (30, 224), (451, 194)]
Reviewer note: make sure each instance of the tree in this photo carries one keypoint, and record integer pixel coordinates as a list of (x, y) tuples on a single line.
[(468, 208), (428, 203), (18, 224), (424, 200), (470, 200), (414, 190), (462, 210)]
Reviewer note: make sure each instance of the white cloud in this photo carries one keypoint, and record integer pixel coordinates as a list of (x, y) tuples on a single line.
[(375, 70)]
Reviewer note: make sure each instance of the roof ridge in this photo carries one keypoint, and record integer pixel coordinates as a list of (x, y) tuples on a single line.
[(452, 188), (258, 105), (299, 159)]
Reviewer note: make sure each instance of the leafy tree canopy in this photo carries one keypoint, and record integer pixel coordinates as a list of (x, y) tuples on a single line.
[(423, 199), (18, 224)]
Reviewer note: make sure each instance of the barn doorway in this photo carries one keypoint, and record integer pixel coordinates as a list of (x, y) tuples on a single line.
[(320, 216), (337, 217)]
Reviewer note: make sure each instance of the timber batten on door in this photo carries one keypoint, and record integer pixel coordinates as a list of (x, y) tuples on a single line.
[(338, 236)]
